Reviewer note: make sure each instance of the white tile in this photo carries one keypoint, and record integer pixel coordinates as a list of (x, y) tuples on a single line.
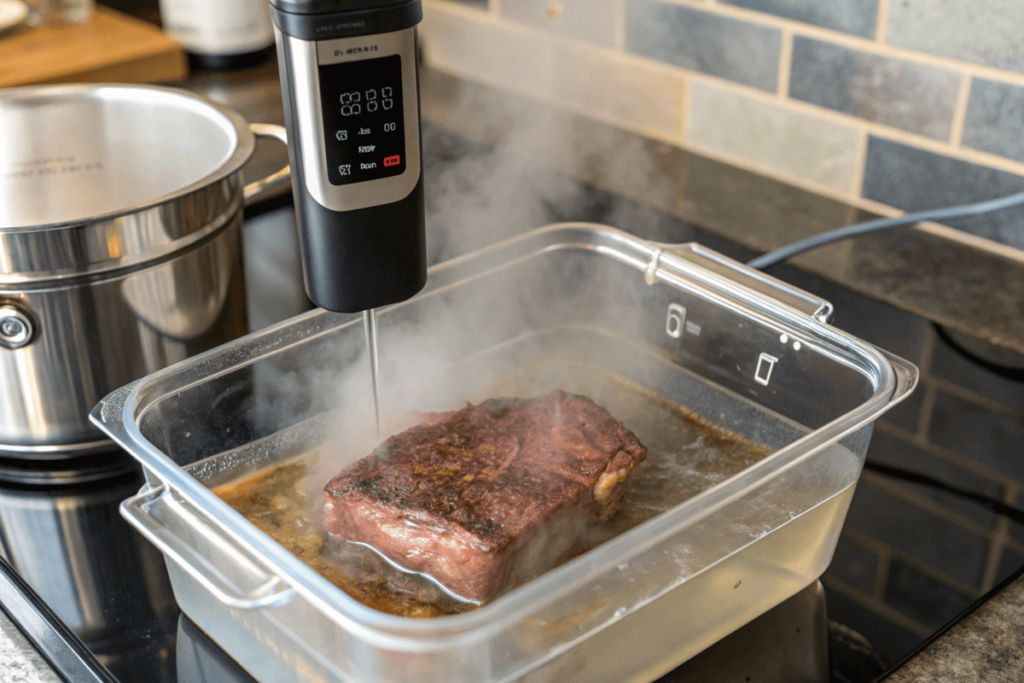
[(477, 47), (621, 88), (794, 143), (982, 31), (590, 20)]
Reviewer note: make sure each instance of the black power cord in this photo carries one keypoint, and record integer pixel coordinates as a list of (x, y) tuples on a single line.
[(936, 215)]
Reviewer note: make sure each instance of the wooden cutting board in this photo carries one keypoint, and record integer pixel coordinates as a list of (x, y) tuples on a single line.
[(111, 48)]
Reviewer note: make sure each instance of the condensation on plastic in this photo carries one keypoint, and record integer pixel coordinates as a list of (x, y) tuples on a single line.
[(572, 299)]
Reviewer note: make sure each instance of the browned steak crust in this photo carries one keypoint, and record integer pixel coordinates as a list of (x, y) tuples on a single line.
[(492, 493)]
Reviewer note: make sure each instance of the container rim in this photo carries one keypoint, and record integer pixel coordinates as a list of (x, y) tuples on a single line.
[(241, 138), (892, 378)]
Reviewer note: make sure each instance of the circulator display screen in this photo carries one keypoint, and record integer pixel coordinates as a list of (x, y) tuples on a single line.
[(363, 119)]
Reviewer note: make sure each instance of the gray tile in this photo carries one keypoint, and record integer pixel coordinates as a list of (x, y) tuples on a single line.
[(921, 597), (455, 209), (891, 640), (854, 565), (895, 452), (989, 438), (849, 16), (912, 179), (982, 31), (936, 542), (910, 96), (685, 36), (590, 20), (995, 119), (950, 365)]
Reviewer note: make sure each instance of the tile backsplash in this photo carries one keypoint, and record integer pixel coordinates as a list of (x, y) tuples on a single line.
[(713, 44), (857, 17), (893, 105), (900, 94), (793, 142), (976, 31)]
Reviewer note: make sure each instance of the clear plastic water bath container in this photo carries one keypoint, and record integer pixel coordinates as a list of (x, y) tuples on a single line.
[(656, 333)]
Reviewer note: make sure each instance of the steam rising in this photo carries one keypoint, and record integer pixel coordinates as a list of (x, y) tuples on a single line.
[(519, 331), (498, 166), (494, 336)]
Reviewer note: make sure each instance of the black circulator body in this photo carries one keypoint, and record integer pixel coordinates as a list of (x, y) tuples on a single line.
[(351, 100)]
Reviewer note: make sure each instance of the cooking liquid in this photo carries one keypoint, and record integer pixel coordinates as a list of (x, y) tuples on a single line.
[(686, 455)]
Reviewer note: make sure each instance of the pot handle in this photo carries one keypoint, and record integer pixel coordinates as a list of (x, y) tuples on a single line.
[(230, 573), (254, 189)]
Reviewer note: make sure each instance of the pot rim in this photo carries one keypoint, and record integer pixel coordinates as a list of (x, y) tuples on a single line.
[(244, 143)]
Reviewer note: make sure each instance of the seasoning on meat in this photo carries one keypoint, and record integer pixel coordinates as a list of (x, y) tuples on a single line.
[(488, 496)]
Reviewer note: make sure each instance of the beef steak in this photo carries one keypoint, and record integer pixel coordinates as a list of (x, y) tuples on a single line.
[(489, 495)]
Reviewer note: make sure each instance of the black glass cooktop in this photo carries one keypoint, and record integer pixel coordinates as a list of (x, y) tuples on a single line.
[(91, 594)]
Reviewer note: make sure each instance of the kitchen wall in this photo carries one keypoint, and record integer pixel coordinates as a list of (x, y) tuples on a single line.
[(905, 104)]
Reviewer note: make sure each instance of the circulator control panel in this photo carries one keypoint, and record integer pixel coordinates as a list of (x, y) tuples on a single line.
[(356, 117), (364, 125)]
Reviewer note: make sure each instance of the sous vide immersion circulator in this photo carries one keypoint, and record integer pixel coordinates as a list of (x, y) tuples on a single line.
[(351, 96)]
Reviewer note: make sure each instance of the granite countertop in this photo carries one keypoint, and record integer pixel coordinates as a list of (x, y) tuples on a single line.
[(22, 663), (987, 644)]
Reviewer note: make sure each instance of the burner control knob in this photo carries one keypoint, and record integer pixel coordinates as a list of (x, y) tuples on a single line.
[(16, 328)]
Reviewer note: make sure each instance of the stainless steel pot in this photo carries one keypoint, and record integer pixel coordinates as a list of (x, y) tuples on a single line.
[(120, 252)]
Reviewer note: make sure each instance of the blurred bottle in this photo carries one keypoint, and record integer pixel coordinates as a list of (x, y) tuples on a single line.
[(56, 12), (220, 34)]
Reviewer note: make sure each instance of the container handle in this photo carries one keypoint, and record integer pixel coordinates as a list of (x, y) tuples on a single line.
[(254, 189), (754, 279), (181, 531)]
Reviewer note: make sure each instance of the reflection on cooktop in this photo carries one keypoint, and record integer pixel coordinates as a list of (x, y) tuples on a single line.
[(95, 572), (199, 660)]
